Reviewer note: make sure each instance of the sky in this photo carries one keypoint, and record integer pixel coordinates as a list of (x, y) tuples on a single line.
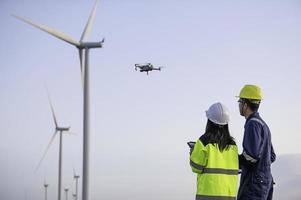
[(140, 124)]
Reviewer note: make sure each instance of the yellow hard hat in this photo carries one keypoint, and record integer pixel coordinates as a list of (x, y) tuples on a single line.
[(251, 92)]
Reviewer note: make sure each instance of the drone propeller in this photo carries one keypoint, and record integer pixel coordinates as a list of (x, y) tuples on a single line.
[(161, 68)]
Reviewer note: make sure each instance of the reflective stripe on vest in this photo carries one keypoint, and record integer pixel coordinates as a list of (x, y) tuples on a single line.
[(197, 166), (213, 170), (220, 171), (204, 197)]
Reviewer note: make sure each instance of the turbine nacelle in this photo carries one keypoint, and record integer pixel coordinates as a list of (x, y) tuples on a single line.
[(88, 45), (62, 128)]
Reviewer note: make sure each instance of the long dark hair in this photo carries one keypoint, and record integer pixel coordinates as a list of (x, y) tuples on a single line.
[(219, 134)]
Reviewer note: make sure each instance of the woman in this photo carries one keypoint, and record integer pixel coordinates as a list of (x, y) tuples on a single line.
[(214, 158)]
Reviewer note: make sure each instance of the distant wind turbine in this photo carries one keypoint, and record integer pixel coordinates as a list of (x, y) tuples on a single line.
[(60, 130), (83, 48), (76, 177), (66, 192), (46, 186)]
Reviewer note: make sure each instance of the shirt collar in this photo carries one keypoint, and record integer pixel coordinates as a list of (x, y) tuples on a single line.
[(254, 114)]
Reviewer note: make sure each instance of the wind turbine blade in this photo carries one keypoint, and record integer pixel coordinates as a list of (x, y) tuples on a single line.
[(82, 61), (88, 27), (51, 31), (49, 144), (52, 110)]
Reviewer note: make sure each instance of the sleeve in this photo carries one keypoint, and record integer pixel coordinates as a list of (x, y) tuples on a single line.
[(252, 144), (198, 157), (273, 155)]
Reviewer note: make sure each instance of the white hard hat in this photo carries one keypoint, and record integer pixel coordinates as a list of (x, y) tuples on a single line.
[(218, 114)]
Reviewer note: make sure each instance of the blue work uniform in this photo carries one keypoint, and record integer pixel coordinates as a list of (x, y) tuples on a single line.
[(256, 181)]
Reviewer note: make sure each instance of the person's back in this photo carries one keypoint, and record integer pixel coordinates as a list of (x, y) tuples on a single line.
[(256, 182), (258, 165), (215, 158)]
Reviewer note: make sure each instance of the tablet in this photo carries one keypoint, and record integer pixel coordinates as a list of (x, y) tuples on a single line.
[(191, 144)]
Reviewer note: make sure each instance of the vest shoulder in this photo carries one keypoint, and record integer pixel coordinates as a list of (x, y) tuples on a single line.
[(204, 139)]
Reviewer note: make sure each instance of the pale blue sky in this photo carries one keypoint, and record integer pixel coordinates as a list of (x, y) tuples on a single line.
[(140, 124)]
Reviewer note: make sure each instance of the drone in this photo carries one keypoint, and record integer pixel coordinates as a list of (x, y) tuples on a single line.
[(146, 67)]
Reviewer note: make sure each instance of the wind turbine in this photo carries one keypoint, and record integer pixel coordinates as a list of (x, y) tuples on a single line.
[(83, 48), (66, 192), (76, 177), (46, 186), (60, 130)]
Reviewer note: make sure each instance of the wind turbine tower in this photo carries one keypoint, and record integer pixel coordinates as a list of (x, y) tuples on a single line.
[(83, 47), (46, 186)]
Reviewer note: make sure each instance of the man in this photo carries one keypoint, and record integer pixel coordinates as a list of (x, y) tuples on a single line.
[(256, 182)]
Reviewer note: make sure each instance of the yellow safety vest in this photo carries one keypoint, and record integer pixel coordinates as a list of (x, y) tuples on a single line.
[(217, 172)]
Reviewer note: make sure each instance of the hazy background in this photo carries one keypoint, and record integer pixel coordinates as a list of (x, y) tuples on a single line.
[(140, 124)]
